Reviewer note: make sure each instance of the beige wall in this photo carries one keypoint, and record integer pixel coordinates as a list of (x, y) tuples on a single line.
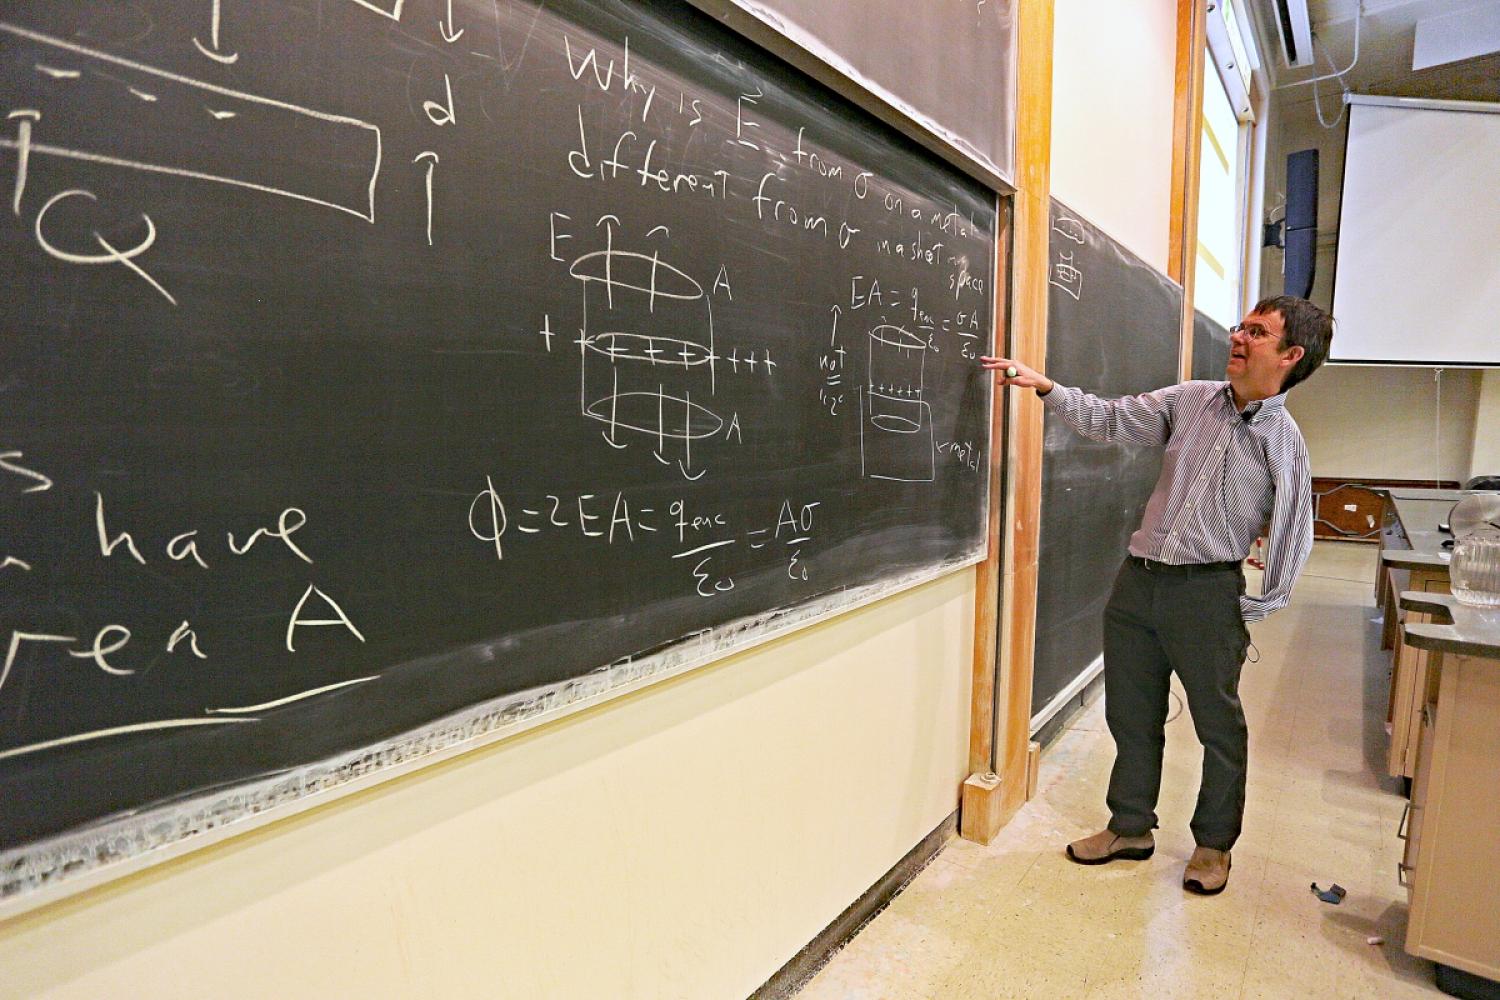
[(1112, 103), (681, 842), (1385, 423)]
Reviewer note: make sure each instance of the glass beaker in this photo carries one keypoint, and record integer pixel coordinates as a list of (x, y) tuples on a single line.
[(1474, 571)]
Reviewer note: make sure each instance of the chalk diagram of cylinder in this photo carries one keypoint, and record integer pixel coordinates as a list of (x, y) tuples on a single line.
[(646, 349), (896, 438)]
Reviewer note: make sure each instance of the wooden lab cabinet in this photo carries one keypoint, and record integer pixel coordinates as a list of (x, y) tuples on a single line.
[(1451, 863), (1409, 681)]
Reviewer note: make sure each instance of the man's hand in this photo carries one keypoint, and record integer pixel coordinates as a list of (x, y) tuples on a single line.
[(1026, 378)]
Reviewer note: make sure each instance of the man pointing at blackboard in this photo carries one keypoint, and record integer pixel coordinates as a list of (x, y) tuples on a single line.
[(1235, 462)]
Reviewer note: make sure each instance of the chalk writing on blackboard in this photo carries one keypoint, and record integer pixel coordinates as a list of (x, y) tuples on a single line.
[(1069, 228), (445, 25), (212, 50), (1065, 273), (111, 254), (198, 155), (614, 385), (389, 8), (619, 520), (639, 376), (896, 435)]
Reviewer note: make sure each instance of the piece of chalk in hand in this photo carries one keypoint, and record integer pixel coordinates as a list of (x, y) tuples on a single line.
[(1010, 372)]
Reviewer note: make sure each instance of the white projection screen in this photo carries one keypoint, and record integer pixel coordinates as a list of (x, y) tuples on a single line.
[(1417, 280)]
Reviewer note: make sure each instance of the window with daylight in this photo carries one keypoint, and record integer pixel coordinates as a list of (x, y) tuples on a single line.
[(1222, 191)]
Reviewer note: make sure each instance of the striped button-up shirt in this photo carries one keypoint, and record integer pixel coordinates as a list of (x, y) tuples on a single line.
[(1226, 475)]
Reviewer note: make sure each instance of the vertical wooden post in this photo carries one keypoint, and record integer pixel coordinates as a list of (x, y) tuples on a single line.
[(987, 584), (1187, 148), (997, 786), (979, 810)]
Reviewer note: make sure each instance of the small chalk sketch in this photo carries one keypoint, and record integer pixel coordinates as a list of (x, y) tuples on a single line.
[(390, 8), (641, 376), (1066, 276), (237, 128), (1064, 273), (1068, 228), (896, 437)]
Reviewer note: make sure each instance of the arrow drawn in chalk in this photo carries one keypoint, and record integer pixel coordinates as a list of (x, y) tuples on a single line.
[(212, 51), (445, 26)]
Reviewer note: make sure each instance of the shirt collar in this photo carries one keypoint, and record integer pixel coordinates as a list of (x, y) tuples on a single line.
[(1258, 410)]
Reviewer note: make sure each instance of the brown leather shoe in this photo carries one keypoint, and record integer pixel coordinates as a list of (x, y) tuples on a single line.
[(1207, 871), (1106, 846)]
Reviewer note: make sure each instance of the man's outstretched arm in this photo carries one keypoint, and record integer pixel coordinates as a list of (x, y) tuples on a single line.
[(1143, 419)]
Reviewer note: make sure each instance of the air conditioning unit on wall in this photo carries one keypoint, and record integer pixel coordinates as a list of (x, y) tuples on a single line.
[(1294, 26)]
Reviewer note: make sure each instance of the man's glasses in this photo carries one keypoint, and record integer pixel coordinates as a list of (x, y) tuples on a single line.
[(1253, 331)]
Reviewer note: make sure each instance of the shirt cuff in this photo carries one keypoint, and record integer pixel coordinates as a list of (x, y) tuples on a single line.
[(1254, 609), (1059, 396)]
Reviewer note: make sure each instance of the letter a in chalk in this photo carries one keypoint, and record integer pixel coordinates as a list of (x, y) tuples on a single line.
[(342, 618), (722, 281)]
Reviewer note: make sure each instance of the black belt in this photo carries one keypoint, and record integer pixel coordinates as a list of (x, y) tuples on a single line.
[(1152, 566)]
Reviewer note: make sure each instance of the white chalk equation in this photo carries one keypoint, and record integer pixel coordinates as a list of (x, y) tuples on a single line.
[(704, 537), (897, 422)]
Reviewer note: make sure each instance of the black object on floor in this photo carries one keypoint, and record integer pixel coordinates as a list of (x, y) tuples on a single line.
[(1334, 894)]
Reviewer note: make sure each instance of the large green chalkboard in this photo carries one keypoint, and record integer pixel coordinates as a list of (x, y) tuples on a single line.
[(384, 375)]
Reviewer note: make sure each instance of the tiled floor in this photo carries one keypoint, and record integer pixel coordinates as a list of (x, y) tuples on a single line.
[(1017, 919)]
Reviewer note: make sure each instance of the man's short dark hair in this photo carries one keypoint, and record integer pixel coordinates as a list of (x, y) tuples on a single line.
[(1304, 325)]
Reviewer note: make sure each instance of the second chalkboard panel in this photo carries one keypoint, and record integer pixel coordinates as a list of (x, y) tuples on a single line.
[(1113, 329)]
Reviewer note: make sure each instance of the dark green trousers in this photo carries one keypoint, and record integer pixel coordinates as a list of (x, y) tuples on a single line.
[(1162, 619)]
